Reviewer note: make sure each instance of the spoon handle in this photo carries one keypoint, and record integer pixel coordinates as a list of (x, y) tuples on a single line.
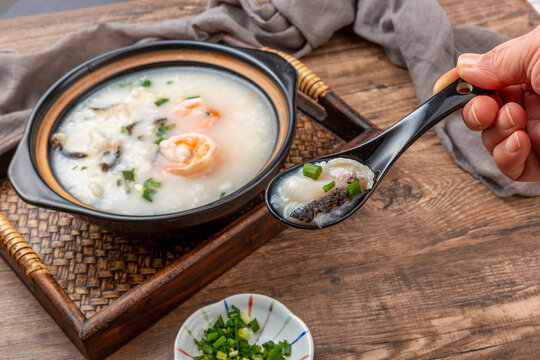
[(394, 141)]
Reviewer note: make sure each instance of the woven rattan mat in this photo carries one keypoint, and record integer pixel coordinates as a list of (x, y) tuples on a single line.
[(94, 266)]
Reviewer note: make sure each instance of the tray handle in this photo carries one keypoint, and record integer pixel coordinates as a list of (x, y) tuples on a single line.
[(18, 249), (340, 118), (308, 82)]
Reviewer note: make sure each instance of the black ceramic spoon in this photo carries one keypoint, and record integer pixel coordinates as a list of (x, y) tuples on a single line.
[(383, 150)]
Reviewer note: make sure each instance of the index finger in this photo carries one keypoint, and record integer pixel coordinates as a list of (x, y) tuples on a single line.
[(445, 80)]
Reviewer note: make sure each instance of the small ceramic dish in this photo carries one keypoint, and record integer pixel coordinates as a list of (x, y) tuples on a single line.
[(277, 323), (31, 172)]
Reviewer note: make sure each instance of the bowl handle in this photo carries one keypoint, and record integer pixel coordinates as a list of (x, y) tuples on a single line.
[(28, 183)]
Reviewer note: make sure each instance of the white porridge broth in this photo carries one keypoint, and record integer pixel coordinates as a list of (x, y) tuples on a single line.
[(163, 140)]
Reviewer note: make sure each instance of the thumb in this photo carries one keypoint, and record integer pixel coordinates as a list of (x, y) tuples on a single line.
[(511, 63)]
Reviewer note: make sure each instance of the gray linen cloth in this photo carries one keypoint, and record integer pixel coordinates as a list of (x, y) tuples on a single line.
[(415, 34)]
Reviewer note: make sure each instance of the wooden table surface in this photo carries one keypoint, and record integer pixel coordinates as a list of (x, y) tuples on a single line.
[(433, 266)]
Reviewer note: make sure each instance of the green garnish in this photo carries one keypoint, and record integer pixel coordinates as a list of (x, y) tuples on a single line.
[(161, 101), (222, 195), (150, 182), (192, 97), (254, 325), (148, 194), (163, 129), (75, 167), (329, 186), (84, 168), (125, 84), (312, 171), (145, 83), (123, 129), (170, 82), (228, 340), (129, 175), (148, 188), (118, 182), (353, 190)]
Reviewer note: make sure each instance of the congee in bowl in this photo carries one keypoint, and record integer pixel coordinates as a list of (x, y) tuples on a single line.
[(163, 141), (159, 136)]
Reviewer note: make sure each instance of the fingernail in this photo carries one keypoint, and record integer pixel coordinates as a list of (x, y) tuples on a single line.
[(468, 60), (441, 83), (475, 117), (512, 143), (510, 116), (467, 63)]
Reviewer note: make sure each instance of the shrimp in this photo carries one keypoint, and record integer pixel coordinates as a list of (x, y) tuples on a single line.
[(186, 107), (200, 109), (189, 153), (211, 117)]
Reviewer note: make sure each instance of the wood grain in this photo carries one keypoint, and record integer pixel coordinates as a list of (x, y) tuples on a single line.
[(433, 267)]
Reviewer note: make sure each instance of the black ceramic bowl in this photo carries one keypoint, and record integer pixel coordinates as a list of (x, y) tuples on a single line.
[(30, 171)]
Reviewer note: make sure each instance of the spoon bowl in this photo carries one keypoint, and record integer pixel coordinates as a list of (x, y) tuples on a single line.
[(380, 152)]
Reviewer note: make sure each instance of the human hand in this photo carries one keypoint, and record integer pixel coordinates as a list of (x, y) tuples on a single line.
[(510, 118)]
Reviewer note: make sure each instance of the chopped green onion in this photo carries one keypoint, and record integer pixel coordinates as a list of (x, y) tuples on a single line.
[(353, 190), (233, 353), (148, 194), (254, 325), (145, 83), (84, 168), (163, 129), (228, 340), (75, 167), (129, 175), (192, 97), (118, 182), (219, 322), (150, 182), (231, 342), (312, 171), (170, 82), (222, 340), (242, 334), (123, 129), (285, 348), (222, 195), (159, 140), (245, 317), (207, 349), (329, 186), (125, 84), (161, 101)]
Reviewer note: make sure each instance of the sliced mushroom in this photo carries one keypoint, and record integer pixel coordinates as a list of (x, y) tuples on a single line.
[(110, 157), (58, 140), (112, 110)]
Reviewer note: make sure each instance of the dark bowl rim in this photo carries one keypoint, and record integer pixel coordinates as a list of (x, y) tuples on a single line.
[(267, 63)]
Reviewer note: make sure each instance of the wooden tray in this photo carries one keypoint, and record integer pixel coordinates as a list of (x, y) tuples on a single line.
[(103, 289)]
